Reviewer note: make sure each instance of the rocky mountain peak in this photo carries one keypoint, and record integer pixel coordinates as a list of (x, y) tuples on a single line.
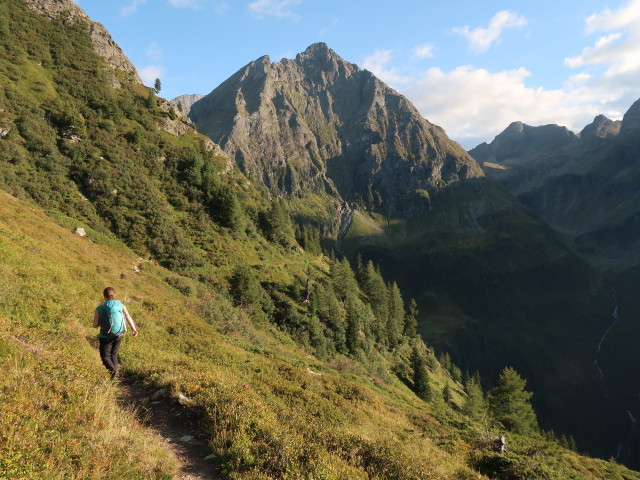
[(103, 43), (600, 128), (320, 124), (318, 53)]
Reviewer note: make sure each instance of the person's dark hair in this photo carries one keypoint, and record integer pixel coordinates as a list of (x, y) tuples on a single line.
[(109, 293)]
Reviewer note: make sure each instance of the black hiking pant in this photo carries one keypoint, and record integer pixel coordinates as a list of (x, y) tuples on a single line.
[(109, 352)]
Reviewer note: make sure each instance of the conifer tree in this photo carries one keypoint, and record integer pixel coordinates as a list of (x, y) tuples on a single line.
[(509, 403), (278, 225), (446, 394), (395, 320), (475, 405), (244, 287), (410, 319), (421, 385), (343, 279), (376, 291), (225, 207)]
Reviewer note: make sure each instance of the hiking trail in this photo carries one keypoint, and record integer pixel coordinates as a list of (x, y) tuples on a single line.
[(177, 427)]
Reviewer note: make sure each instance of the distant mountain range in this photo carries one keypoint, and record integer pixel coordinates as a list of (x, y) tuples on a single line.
[(585, 186)]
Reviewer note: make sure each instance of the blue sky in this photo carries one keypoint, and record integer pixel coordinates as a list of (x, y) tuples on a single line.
[(471, 67)]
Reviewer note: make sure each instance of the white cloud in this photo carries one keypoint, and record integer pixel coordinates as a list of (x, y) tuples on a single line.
[(423, 51), (323, 31), (377, 64), (625, 16), (275, 8), (149, 74), (195, 4), (618, 51), (131, 7), (154, 52), (452, 100), (481, 39)]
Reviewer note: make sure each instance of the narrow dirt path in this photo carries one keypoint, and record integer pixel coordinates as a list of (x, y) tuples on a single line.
[(176, 426)]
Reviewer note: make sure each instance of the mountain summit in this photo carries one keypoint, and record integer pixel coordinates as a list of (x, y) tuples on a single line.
[(320, 124)]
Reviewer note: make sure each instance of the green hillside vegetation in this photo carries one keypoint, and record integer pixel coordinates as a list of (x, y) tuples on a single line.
[(299, 366), (493, 283), (271, 408)]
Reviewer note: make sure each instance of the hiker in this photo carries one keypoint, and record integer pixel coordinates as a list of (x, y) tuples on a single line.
[(110, 316)]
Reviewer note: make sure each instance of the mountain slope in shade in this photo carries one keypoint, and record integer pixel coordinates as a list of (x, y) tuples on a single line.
[(583, 187), (320, 124)]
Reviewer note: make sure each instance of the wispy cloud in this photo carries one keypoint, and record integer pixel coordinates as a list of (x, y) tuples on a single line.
[(275, 8), (149, 74), (221, 7), (154, 52), (481, 39), (131, 7), (619, 50), (194, 4), (378, 62), (323, 31), (423, 51)]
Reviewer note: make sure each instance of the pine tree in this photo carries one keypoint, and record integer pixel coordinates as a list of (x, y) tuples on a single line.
[(376, 291), (421, 385), (446, 394), (278, 226), (224, 206), (475, 405), (509, 403), (244, 287), (395, 320), (343, 279), (410, 319), (333, 314)]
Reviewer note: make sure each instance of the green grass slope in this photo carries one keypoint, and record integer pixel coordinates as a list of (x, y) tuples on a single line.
[(270, 408)]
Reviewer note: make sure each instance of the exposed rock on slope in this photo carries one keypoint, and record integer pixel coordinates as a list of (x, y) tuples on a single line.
[(186, 101), (320, 124), (103, 44)]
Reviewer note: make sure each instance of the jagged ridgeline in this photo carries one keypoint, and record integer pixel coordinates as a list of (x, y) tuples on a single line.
[(319, 125)]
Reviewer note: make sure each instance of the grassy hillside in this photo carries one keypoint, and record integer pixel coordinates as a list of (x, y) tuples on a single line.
[(270, 409), (213, 273)]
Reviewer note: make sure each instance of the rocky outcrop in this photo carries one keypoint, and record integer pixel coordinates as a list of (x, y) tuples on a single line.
[(183, 103), (103, 43), (319, 124)]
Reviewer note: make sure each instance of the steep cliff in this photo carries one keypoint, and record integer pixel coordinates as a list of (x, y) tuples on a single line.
[(320, 124)]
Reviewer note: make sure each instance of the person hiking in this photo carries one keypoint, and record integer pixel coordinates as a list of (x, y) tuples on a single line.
[(110, 316)]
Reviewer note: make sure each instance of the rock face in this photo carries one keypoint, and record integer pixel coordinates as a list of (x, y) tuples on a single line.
[(320, 124), (186, 101), (103, 44)]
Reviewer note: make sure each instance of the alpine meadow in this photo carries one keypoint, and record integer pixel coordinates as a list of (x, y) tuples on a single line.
[(326, 286)]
